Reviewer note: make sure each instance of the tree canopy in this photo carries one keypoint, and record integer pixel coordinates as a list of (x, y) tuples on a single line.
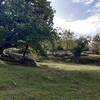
[(26, 20)]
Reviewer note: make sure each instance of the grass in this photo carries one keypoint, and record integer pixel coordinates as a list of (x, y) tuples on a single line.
[(52, 81)]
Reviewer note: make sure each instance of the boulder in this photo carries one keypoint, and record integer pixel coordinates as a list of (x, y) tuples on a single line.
[(17, 58)]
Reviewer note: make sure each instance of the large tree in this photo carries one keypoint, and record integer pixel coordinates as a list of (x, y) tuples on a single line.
[(27, 20)]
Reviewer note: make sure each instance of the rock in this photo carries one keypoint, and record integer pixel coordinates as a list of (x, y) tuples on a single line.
[(17, 58), (28, 61)]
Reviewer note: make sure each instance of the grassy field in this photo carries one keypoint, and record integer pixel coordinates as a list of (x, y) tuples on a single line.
[(52, 81)]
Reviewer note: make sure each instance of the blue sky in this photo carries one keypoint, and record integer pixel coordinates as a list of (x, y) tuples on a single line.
[(80, 16)]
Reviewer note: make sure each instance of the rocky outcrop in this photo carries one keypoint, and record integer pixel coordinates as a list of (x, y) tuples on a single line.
[(17, 58)]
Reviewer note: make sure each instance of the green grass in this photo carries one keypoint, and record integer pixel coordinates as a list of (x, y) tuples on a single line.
[(52, 81)]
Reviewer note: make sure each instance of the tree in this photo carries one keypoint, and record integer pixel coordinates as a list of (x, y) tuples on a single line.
[(82, 45), (68, 38), (96, 43), (27, 20), (97, 38)]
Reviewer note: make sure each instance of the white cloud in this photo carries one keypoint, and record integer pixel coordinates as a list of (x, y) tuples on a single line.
[(97, 5), (87, 2), (89, 25), (49, 0)]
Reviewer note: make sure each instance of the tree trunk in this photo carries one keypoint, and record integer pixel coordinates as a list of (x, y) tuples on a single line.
[(26, 60), (77, 59), (24, 53), (1, 50)]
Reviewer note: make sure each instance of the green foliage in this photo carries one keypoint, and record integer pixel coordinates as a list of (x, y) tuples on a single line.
[(96, 38), (27, 20), (68, 35), (67, 39), (96, 44), (82, 45), (32, 52)]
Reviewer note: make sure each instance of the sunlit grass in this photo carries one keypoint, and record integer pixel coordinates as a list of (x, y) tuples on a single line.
[(71, 66)]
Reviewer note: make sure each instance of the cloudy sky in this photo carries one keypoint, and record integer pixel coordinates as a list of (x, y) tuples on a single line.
[(80, 16)]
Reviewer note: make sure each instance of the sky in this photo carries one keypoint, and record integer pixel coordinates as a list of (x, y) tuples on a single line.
[(80, 16)]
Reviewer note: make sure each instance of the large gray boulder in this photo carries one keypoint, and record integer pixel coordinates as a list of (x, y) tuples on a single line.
[(8, 55)]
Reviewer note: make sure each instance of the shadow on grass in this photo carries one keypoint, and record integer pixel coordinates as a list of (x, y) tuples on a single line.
[(85, 60), (90, 60)]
